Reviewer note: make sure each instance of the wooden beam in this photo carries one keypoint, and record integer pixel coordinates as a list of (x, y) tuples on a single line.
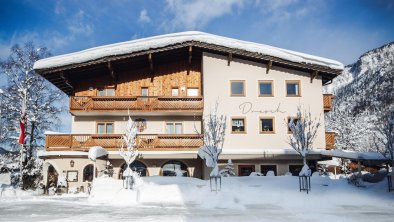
[(269, 66), (230, 58), (150, 61), (111, 70), (66, 80), (190, 54), (313, 75)]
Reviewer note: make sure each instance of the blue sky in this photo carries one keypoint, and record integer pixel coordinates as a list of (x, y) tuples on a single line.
[(337, 29)]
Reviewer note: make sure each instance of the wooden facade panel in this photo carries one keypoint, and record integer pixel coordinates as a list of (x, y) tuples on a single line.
[(177, 74), (330, 140), (327, 101)]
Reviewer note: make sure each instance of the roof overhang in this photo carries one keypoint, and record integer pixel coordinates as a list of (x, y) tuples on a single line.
[(58, 72)]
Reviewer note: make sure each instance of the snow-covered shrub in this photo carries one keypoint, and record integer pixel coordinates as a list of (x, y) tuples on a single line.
[(228, 169), (256, 174), (270, 173)]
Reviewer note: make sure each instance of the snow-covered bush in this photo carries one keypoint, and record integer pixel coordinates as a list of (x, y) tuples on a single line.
[(228, 169), (303, 133)]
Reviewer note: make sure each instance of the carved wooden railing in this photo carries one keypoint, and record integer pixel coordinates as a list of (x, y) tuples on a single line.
[(327, 101), (139, 103), (82, 142), (330, 140)]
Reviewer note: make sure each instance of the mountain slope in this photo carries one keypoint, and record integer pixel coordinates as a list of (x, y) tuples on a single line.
[(364, 95)]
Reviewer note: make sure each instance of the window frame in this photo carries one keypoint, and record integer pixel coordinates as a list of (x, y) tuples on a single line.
[(147, 90), (105, 127), (243, 89), (173, 123), (177, 88), (272, 88), (273, 125), (105, 89), (299, 88), (245, 124)]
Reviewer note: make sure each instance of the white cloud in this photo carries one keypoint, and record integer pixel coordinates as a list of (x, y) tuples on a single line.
[(80, 25), (285, 10), (144, 17), (196, 14)]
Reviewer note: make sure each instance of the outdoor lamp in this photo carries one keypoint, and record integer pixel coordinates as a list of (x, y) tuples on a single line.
[(72, 163)]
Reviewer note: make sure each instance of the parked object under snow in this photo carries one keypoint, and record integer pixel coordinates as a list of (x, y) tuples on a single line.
[(96, 152)]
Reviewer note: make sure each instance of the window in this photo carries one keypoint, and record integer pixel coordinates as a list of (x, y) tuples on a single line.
[(72, 176), (238, 125), (267, 125), (135, 166), (237, 87), (106, 92), (266, 88), (175, 92), (295, 169), (264, 169), (174, 128), (293, 88), (192, 92), (105, 128), (88, 173), (288, 123), (174, 168), (144, 91), (245, 170)]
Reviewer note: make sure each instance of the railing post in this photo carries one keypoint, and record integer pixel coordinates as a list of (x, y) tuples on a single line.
[(71, 141)]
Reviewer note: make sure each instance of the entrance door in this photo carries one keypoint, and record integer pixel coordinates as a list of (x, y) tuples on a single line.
[(52, 176), (245, 170)]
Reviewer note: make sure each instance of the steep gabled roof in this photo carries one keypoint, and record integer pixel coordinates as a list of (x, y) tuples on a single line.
[(192, 37)]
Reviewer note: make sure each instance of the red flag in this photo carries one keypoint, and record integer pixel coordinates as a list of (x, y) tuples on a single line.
[(22, 123)]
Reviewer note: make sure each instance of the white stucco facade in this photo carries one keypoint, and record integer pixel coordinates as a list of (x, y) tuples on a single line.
[(217, 75)]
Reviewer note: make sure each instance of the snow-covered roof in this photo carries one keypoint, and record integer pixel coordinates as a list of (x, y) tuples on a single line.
[(353, 155), (160, 41)]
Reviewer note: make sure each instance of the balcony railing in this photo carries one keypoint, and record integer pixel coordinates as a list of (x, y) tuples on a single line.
[(330, 140), (82, 142), (138, 104), (327, 101)]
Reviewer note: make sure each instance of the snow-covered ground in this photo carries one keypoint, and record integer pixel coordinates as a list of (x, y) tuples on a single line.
[(190, 199)]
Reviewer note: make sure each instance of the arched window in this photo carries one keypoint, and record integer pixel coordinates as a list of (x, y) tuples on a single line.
[(88, 173), (175, 168), (52, 176), (135, 166)]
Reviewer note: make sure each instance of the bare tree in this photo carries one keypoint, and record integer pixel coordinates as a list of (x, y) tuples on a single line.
[(42, 104), (214, 130), (384, 138), (130, 153), (303, 133)]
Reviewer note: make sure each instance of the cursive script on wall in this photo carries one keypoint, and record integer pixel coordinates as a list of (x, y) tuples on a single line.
[(247, 107)]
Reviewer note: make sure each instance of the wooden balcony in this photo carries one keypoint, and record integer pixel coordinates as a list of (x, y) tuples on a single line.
[(327, 101), (154, 142), (330, 140), (135, 104)]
